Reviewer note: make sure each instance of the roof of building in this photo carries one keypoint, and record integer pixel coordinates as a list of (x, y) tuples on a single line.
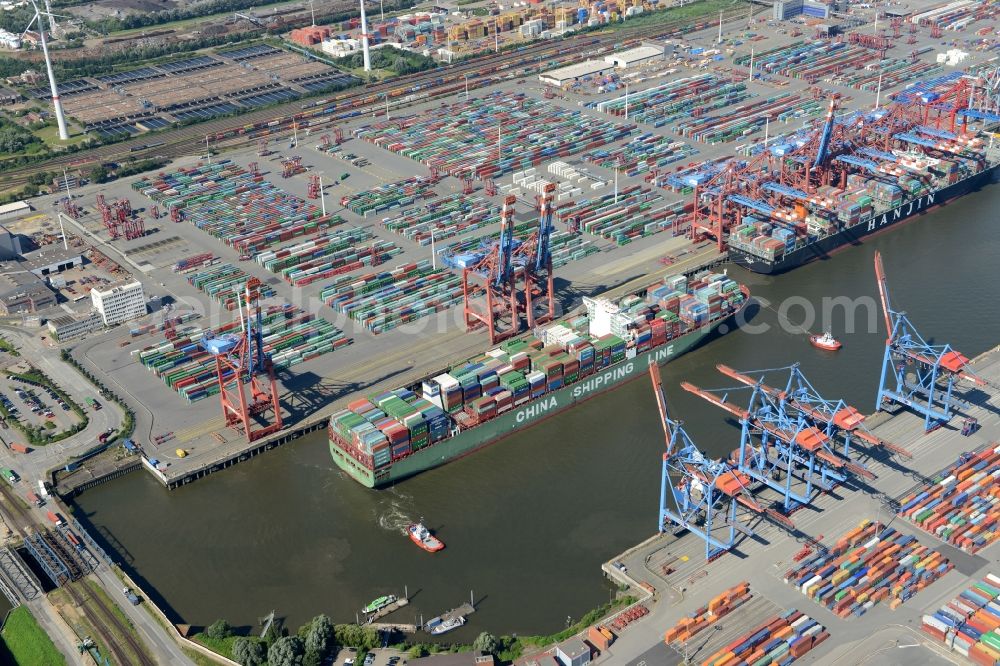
[(576, 70), (15, 207), (637, 53), (14, 281), (48, 255), (573, 647), (118, 286)]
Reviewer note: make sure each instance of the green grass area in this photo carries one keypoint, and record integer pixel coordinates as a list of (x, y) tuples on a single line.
[(27, 643), (223, 646), (50, 136), (198, 658)]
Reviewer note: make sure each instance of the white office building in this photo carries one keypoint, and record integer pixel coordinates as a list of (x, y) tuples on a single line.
[(120, 303)]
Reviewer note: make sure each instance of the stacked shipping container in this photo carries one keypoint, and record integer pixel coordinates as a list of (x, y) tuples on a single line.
[(390, 195), (637, 212), (641, 155), (962, 505), (444, 218), (489, 136), (325, 255), (720, 606), (780, 640), (869, 564), (242, 210), (291, 336), (970, 623), (563, 246)]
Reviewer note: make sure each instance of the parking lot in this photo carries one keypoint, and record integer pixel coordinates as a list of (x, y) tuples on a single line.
[(35, 405)]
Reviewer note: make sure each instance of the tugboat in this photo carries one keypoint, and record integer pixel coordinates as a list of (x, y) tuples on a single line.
[(825, 341), (448, 625), (421, 536), (379, 604)]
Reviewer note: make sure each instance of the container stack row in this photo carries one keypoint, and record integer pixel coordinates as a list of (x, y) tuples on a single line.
[(705, 617), (812, 60), (464, 139), (780, 640), (326, 255), (962, 506), (893, 73), (390, 195), (225, 283), (169, 324), (869, 564), (641, 155), (638, 212), (668, 102), (195, 261), (291, 336), (970, 623), (563, 245), (383, 301), (444, 218), (242, 210), (744, 119)]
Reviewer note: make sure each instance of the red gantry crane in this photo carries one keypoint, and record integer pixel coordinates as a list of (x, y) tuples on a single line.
[(248, 390)]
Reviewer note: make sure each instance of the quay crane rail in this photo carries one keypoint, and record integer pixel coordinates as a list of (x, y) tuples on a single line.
[(242, 363), (706, 499), (915, 373)]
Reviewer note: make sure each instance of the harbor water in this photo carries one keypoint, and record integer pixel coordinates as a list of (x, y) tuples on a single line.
[(528, 522)]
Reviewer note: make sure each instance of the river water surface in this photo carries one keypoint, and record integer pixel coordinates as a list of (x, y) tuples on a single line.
[(528, 522)]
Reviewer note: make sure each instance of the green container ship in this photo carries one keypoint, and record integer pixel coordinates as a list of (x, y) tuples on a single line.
[(397, 434)]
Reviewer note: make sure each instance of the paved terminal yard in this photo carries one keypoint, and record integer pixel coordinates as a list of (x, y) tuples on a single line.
[(312, 390), (674, 568)]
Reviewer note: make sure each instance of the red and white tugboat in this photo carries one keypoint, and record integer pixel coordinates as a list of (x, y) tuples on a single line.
[(825, 341), (421, 536)]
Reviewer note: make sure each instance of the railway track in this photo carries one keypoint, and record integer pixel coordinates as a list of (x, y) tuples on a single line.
[(20, 519), (412, 89)]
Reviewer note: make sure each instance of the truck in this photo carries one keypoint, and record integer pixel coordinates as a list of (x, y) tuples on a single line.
[(93, 404), (20, 448), (34, 499), (131, 596), (55, 518), (103, 437), (10, 475)]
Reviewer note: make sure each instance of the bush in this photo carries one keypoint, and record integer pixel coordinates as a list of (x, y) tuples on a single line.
[(218, 630)]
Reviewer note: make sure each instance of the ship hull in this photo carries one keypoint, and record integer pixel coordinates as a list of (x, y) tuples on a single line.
[(824, 247), (523, 416)]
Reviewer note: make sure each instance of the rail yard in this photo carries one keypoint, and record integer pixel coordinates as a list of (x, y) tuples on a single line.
[(417, 267)]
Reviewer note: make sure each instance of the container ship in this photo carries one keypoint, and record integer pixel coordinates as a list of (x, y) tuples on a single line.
[(868, 205), (393, 435)]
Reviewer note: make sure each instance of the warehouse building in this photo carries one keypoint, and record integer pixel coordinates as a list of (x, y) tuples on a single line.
[(572, 73), (16, 209), (783, 10), (51, 259), (635, 57), (120, 303), (10, 245), (67, 327), (21, 291)]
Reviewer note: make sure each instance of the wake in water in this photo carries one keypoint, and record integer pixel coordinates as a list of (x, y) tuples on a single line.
[(390, 514)]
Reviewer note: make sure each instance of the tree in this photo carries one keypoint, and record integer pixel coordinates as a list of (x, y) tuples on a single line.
[(318, 639), (486, 643), (218, 630), (286, 651), (99, 174), (249, 652)]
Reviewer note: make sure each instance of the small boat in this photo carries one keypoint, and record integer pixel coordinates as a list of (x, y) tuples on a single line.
[(379, 604), (448, 625), (825, 341), (421, 536)]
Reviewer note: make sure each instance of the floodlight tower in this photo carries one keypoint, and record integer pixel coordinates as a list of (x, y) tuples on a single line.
[(60, 118)]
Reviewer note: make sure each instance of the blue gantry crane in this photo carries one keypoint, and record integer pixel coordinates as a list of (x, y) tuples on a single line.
[(702, 495), (840, 422), (248, 390), (915, 373), (780, 447), (500, 315)]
